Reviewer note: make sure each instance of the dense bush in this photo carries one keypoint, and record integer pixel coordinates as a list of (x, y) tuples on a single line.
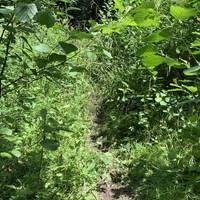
[(45, 112), (139, 64), (149, 106)]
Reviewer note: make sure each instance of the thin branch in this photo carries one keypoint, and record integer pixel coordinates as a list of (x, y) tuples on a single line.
[(4, 63), (13, 89), (31, 74), (26, 76), (7, 51), (4, 30), (6, 91)]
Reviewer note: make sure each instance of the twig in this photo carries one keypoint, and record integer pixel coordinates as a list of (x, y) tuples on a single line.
[(4, 63)]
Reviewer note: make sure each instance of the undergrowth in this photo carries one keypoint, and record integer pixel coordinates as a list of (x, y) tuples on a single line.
[(148, 113), (130, 81)]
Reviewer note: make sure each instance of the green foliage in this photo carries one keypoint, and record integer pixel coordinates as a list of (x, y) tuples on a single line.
[(44, 108), (142, 66), (45, 18), (67, 48), (182, 13), (149, 97), (25, 12)]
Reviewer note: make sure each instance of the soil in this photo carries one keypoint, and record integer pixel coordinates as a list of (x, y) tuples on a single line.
[(113, 190)]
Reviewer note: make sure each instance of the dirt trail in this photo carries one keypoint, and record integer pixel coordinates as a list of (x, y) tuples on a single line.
[(106, 190)]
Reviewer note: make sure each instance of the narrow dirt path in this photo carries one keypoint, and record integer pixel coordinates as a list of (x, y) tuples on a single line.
[(106, 190)]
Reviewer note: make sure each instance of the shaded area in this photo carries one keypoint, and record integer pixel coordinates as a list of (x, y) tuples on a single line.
[(114, 191)]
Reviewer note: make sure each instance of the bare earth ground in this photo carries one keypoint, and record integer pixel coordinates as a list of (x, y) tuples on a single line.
[(112, 190)]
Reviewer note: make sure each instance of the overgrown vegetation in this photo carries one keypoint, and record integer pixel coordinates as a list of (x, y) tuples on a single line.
[(139, 62)]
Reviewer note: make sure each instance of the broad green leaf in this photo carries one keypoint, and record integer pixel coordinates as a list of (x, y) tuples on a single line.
[(160, 35), (5, 131), (10, 138), (196, 52), (182, 13), (112, 27), (45, 18), (118, 26), (196, 33), (41, 62), (67, 48), (6, 10), (128, 21), (146, 17), (54, 57), (24, 28), (16, 153), (119, 5), (196, 43), (192, 89), (147, 50), (25, 12), (152, 61), (173, 63), (51, 145), (5, 155), (192, 71), (42, 48)]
